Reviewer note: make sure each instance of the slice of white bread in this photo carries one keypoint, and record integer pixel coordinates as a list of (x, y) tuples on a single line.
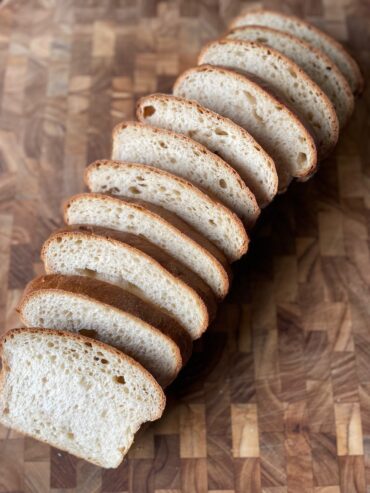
[(313, 61), (270, 122), (309, 33), (178, 154), (110, 314), (136, 265), (209, 217), (221, 135), (74, 393), (158, 226), (285, 78)]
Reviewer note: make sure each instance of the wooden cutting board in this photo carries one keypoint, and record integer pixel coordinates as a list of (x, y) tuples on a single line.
[(276, 398)]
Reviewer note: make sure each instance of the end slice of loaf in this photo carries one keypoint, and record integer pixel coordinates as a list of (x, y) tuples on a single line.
[(110, 314), (158, 226), (74, 393), (178, 154), (209, 217), (136, 265), (311, 34), (313, 61), (283, 76), (270, 122), (221, 135)]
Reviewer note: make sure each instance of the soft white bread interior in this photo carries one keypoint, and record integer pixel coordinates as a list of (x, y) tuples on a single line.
[(178, 154), (74, 393), (221, 135), (136, 265), (109, 314), (270, 122), (209, 217), (313, 61), (158, 226), (284, 77), (309, 33)]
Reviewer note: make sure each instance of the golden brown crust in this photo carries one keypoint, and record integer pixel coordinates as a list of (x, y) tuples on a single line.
[(123, 240), (232, 217), (207, 112), (169, 220), (221, 164), (116, 298), (89, 343), (282, 60), (327, 39), (266, 95)]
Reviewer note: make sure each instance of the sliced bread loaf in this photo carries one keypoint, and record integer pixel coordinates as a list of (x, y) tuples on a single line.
[(313, 61), (221, 135), (270, 122), (139, 143), (136, 265), (74, 393), (283, 76), (210, 218), (110, 314), (158, 226), (310, 34)]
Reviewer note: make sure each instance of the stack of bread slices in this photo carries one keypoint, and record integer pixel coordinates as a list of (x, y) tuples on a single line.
[(136, 274)]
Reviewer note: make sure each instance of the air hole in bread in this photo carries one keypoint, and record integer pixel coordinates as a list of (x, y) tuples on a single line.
[(163, 144), (148, 111), (222, 183), (113, 190), (87, 272), (134, 190), (302, 157), (258, 117), (292, 73), (70, 435), (6, 410), (262, 40), (279, 108), (191, 133), (250, 97), (104, 361), (58, 239), (88, 333), (211, 221), (219, 131), (120, 379)]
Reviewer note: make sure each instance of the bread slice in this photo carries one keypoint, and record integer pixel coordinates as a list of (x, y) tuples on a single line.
[(270, 122), (74, 393), (209, 217), (283, 76), (136, 265), (221, 135), (310, 34), (158, 226), (313, 61), (138, 143), (110, 314)]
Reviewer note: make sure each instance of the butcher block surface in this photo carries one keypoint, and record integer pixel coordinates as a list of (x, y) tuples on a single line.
[(276, 398)]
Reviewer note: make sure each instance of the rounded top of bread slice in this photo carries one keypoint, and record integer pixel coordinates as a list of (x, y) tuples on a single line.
[(209, 217), (158, 226), (270, 122), (283, 76), (309, 33), (52, 381), (219, 134), (178, 154), (110, 314), (313, 61), (135, 264)]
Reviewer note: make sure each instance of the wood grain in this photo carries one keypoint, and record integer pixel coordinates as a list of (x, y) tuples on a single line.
[(276, 398)]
